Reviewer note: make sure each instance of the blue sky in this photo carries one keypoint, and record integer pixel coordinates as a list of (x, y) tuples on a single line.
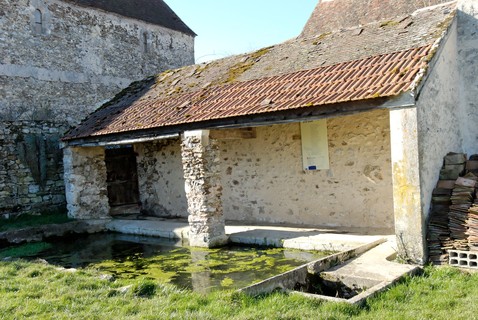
[(227, 27)]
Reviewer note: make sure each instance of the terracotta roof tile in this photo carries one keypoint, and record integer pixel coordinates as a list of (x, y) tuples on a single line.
[(340, 66), (333, 15), (384, 75)]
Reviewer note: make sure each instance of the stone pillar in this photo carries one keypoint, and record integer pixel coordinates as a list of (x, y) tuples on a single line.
[(200, 157), (409, 219), (85, 183)]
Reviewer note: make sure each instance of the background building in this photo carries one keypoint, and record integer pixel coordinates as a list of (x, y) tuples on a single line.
[(59, 61)]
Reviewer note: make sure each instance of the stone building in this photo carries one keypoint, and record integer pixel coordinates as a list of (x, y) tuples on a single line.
[(59, 61), (345, 126)]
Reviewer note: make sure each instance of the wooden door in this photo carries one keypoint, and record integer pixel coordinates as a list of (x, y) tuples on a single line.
[(122, 180)]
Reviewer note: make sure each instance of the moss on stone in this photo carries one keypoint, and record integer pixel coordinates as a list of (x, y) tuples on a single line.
[(320, 37), (388, 23), (237, 70)]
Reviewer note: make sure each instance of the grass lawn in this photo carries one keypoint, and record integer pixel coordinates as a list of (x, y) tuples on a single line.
[(39, 291), (26, 220)]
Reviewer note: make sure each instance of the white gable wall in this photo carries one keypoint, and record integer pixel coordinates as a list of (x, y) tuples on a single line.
[(467, 44), (440, 117)]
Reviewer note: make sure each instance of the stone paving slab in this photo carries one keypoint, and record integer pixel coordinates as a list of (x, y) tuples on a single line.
[(297, 238), (368, 266), (164, 229), (376, 264), (276, 236)]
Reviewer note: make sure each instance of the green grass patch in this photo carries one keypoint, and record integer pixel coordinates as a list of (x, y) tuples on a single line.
[(25, 250), (39, 291), (26, 220)]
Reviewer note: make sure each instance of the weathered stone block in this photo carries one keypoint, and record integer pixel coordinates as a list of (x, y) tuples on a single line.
[(446, 184), (455, 158), (33, 188), (452, 171), (465, 182), (472, 165)]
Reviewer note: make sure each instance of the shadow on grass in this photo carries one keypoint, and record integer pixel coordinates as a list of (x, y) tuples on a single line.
[(27, 220)]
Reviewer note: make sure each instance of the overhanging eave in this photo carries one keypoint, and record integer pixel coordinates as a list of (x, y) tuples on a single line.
[(403, 100)]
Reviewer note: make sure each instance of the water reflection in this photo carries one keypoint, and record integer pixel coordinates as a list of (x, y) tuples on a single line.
[(200, 280), (201, 270)]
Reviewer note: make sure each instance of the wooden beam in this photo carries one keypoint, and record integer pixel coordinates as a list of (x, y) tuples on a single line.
[(233, 134)]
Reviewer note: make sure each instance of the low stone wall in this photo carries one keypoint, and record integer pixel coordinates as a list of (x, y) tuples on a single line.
[(31, 178), (161, 179)]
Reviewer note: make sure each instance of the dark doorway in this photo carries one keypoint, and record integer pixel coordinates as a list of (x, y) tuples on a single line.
[(122, 181)]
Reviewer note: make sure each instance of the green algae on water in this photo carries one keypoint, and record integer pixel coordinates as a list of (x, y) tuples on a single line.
[(164, 261)]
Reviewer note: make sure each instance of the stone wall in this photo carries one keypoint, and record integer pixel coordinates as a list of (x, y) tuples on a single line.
[(161, 180), (85, 181), (264, 181), (64, 69), (80, 58), (30, 171)]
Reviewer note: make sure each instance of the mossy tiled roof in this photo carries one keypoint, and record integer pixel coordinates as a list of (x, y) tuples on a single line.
[(363, 62)]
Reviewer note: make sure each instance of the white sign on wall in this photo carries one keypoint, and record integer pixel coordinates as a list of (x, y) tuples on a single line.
[(315, 145)]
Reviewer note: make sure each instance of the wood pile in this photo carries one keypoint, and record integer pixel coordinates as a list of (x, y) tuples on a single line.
[(453, 220)]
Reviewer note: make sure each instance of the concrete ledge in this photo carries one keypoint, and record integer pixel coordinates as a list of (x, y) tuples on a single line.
[(273, 236), (339, 258), (363, 296), (163, 229), (298, 237), (288, 280), (364, 268)]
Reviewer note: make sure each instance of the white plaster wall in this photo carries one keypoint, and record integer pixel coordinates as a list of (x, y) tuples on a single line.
[(160, 178), (441, 121), (263, 178), (407, 200), (468, 69)]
